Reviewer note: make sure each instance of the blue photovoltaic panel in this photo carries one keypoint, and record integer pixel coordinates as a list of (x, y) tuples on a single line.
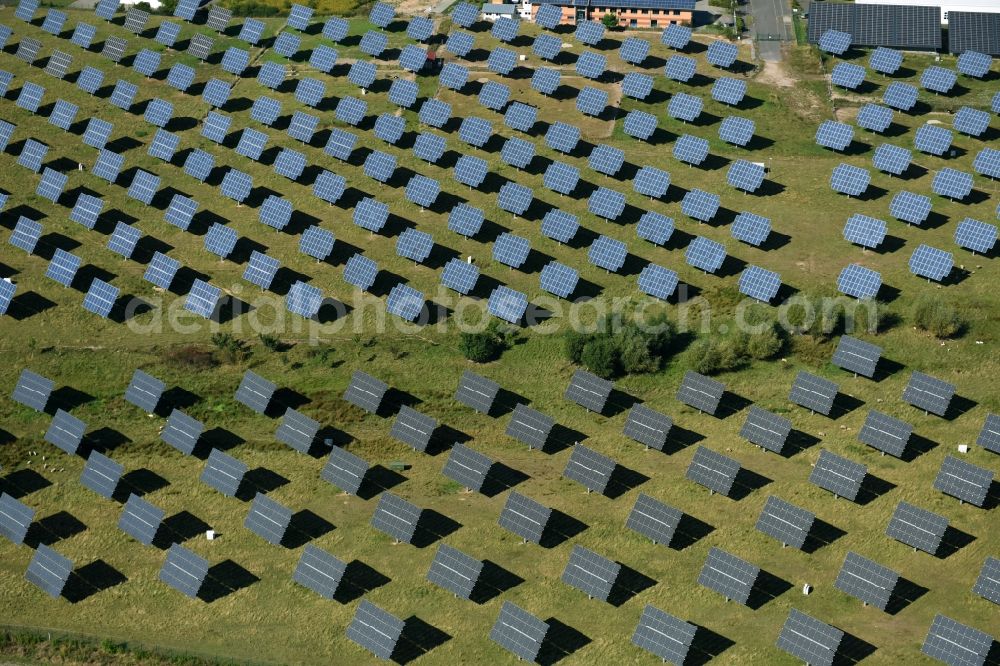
[(86, 210), (605, 159), (220, 240), (639, 124), (382, 14), (265, 110), (271, 75), (106, 9), (251, 143), (834, 135), (722, 54), (180, 211), (146, 62), (317, 242), (971, 121), (302, 126), (201, 46), (380, 166), (419, 28), (637, 86), (470, 170), (167, 33), (545, 80), (607, 253), (429, 147), (335, 29), (158, 112), (30, 97), (546, 47), (517, 152), (865, 231), (932, 139), (589, 32), (938, 79), (26, 10), (351, 110), (561, 177), (558, 279), (6, 78), (261, 269), (63, 267), (511, 250), (108, 165), (885, 60), (705, 254), (507, 304), (7, 291), (202, 299), (655, 228), (161, 271), (676, 36), (559, 225), (690, 149), (910, 208), (360, 271), (657, 281), (215, 126), (494, 95), (520, 116), (185, 9), (459, 43), (373, 43), (362, 73), (83, 35), (728, 90), (216, 93), (180, 77), (422, 190), (684, 106), (413, 58), (58, 64), (51, 185), (750, 228), (562, 137), (859, 282), (275, 212), (371, 214), (124, 94), (323, 58), (340, 144), (453, 76), (634, 50), (975, 235), (591, 101), (475, 131), (745, 175), (874, 117), (403, 92), (975, 64), (199, 164), (27, 49), (405, 302), (143, 187), (835, 41), (759, 283), (465, 220), (951, 183), (236, 185), (700, 205), (124, 239), (304, 300), (26, 234), (290, 164), (100, 298), (6, 131), (32, 154), (287, 44), (931, 263), (847, 75), (63, 114), (299, 16), (606, 203), (591, 65), (680, 68), (460, 276), (900, 96), (505, 29), (736, 130), (235, 60), (548, 16), (501, 60), (850, 180), (891, 159)]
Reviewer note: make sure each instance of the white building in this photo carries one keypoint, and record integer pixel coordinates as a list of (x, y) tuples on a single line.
[(991, 6), (493, 12)]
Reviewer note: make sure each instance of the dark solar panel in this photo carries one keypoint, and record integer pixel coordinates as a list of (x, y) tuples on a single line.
[(964, 481), (839, 475), (728, 575), (867, 580), (785, 522)]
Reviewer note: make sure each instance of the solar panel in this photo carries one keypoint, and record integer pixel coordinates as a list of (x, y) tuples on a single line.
[(514, 198), (722, 54), (58, 64), (971, 121), (988, 584), (413, 58), (166, 34), (850, 180), (371, 214), (290, 164), (700, 392), (365, 391), (335, 29), (396, 517), (938, 79), (48, 570), (124, 239), (637, 86), (865, 231), (224, 472), (100, 298), (975, 235), (684, 106), (932, 139), (297, 430), (909, 207), (6, 78), (7, 291), (465, 465), (268, 519), (185, 9), (66, 432), (30, 97), (987, 163), (53, 22), (517, 152), (505, 29), (857, 356), (319, 571), (32, 390), (414, 245), (235, 60), (759, 283), (501, 60), (931, 263), (917, 527), (271, 75), (885, 60), (382, 14), (750, 228), (135, 20), (27, 50), (745, 175), (304, 300), (141, 520), (420, 28), (511, 250), (144, 391), (591, 65), (545, 80), (26, 234), (651, 182), (317, 242), (835, 41), (507, 304), (15, 518), (183, 570), (324, 58), (728, 575), (459, 43), (455, 571), (524, 517), (236, 185), (345, 470), (161, 270), (101, 474), (546, 47), (203, 297), (607, 253), (814, 393), (561, 177), (434, 113), (885, 433), (559, 279), (589, 32), (494, 95), (518, 631), (634, 50), (403, 93), (785, 522), (874, 117), (475, 131), (676, 36), (389, 128), (713, 470), (406, 302), (469, 170), (164, 145), (974, 63), (261, 269), (286, 44), (956, 644), (106, 9), (86, 210), (705, 254), (807, 638), (591, 573), (373, 43), (657, 281), (834, 135), (182, 431), (180, 77), (867, 580), (680, 68), (891, 159), (201, 46), (738, 131), (220, 240), (411, 427), (607, 160), (63, 267), (900, 96), (360, 271), (143, 187), (51, 185), (955, 185), (690, 149), (219, 17), (839, 475), (216, 93)]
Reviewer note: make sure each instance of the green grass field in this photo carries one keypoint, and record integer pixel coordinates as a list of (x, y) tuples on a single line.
[(271, 619)]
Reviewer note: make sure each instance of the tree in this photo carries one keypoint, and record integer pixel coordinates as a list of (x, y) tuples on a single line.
[(933, 315), (610, 21), (486, 345), (601, 356)]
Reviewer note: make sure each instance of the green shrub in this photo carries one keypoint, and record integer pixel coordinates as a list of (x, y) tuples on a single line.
[(610, 21), (487, 345), (272, 342), (933, 315), (574, 344), (766, 344), (602, 357), (231, 349), (704, 357), (618, 347)]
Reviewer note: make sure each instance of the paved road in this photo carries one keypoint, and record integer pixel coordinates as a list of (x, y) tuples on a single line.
[(772, 26)]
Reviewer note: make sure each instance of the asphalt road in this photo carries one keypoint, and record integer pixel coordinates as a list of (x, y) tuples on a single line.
[(772, 26)]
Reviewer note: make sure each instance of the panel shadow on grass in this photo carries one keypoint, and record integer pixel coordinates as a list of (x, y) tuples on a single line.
[(23, 482), (690, 530), (139, 482), (358, 580), (178, 528), (259, 480), (906, 593), (953, 541), (418, 638), (500, 478), (90, 579), (493, 581), (872, 487), (53, 529), (622, 481), (304, 527), (561, 527), (767, 587), (822, 534), (224, 579), (561, 640), (852, 650), (628, 584), (432, 526), (377, 480), (707, 645)]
